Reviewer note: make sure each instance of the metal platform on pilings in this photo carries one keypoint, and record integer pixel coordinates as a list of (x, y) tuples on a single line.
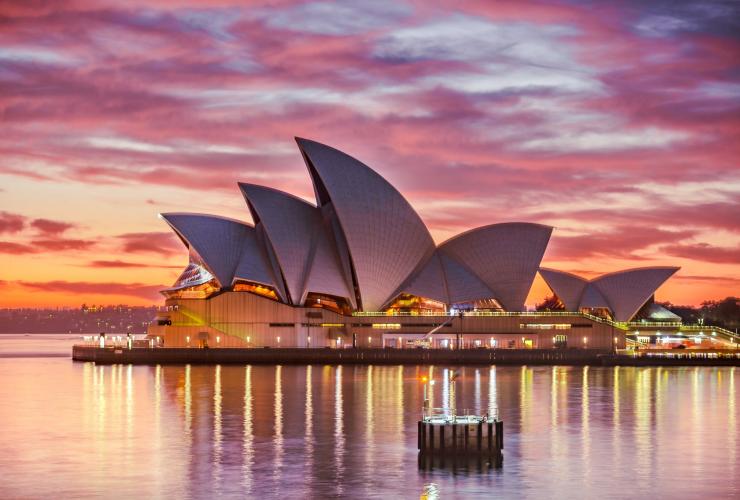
[(450, 437)]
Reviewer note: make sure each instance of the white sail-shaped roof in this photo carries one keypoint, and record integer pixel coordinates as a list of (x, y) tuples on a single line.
[(504, 256), (568, 287), (592, 298), (254, 264), (289, 223), (462, 284), (385, 237), (302, 247), (325, 273), (622, 292), (429, 281), (628, 290), (217, 240)]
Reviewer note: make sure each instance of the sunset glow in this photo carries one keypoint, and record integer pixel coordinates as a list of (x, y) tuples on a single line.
[(617, 124)]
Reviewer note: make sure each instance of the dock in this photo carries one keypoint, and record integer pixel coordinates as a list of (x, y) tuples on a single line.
[(388, 356), (302, 355), (449, 437)]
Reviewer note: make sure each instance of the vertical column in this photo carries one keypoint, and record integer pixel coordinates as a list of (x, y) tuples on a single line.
[(419, 438), (442, 438), (454, 437), (490, 438), (479, 438)]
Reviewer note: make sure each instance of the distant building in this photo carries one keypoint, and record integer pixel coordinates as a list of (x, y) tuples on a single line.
[(360, 268)]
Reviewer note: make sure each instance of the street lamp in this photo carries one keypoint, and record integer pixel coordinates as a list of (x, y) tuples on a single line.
[(460, 334)]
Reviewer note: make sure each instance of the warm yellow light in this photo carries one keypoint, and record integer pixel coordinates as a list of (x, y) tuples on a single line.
[(249, 339), (585, 339), (187, 338), (424, 379), (218, 339)]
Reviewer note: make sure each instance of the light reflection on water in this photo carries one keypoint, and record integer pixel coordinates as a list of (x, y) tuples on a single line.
[(80, 430)]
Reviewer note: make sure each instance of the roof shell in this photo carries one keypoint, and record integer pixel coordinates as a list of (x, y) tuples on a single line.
[(217, 240), (254, 264), (429, 281), (290, 224), (628, 290), (505, 257), (568, 287), (463, 285), (325, 273), (592, 298), (386, 238)]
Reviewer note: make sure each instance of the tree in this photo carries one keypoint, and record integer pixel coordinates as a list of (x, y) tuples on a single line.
[(551, 303)]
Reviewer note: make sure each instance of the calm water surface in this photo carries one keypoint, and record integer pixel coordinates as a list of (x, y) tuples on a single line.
[(76, 430)]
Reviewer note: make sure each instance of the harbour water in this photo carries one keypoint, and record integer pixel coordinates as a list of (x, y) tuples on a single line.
[(77, 430)]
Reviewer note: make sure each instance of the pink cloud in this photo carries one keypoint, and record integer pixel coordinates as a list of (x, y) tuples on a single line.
[(11, 223), (120, 264), (61, 244), (704, 252), (13, 248), (473, 128), (163, 243), (621, 242), (51, 227)]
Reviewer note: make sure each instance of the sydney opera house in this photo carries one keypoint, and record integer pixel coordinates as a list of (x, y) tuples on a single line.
[(360, 268)]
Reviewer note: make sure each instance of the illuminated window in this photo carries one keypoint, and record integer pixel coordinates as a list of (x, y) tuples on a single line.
[(407, 303), (200, 291), (255, 288), (490, 304), (545, 326), (328, 302)]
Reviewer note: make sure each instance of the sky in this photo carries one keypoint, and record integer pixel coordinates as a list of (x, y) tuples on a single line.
[(618, 123)]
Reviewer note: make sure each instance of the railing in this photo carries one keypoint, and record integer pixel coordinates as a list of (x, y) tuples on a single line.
[(709, 328), (498, 314), (683, 353), (638, 324), (468, 313), (453, 415)]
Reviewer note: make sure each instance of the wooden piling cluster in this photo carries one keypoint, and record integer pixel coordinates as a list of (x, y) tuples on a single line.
[(471, 438)]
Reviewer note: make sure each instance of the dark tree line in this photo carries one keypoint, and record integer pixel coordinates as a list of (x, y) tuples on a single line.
[(724, 313)]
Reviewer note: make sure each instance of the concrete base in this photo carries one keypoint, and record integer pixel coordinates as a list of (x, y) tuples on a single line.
[(179, 355)]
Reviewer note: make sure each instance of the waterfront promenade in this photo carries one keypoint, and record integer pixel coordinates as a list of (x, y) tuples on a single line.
[(380, 356)]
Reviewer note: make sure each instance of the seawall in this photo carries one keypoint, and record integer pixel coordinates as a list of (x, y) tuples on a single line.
[(185, 355)]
